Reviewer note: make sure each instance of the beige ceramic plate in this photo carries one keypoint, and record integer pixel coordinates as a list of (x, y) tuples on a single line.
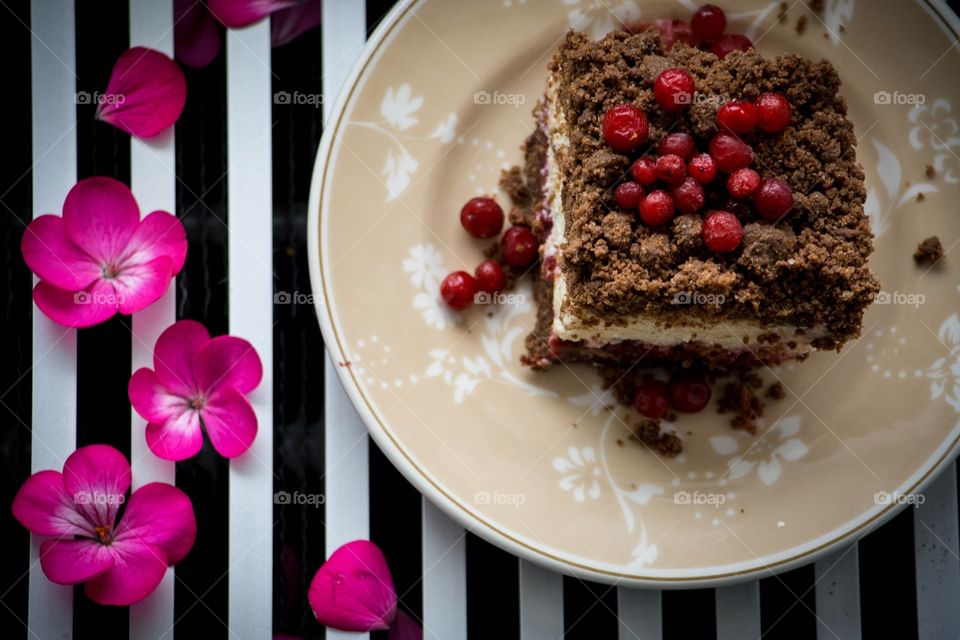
[(437, 106)]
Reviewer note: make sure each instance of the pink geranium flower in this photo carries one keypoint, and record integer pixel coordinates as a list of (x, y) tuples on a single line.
[(353, 591), (145, 95), (100, 257), (197, 24), (198, 383), (121, 562)]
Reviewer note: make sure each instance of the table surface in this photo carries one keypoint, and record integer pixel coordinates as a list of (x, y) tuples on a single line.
[(248, 573)]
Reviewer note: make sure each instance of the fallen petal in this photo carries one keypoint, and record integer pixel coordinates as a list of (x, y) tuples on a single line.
[(100, 215), (174, 353), (404, 627), (146, 93), (240, 13), (160, 515), (74, 561), (353, 589), (151, 399), (78, 309), (176, 439), (230, 422), (97, 478), (43, 506), (196, 34), (287, 24), (227, 361), (138, 286), (159, 234), (53, 257)]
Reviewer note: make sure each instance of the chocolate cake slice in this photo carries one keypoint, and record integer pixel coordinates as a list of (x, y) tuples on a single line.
[(613, 289)]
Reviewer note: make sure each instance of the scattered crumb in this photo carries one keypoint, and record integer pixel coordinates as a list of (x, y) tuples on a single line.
[(931, 173), (775, 391), (648, 432), (816, 6), (921, 197), (619, 442), (670, 416), (930, 251), (740, 399), (345, 363), (782, 12), (801, 25), (741, 510)]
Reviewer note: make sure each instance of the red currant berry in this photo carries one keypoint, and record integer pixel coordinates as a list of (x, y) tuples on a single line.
[(737, 117), (625, 127), (773, 199), (458, 289), (726, 45), (689, 393), (673, 90), (490, 277), (773, 112), (671, 169), (743, 182), (730, 153), (708, 23), (689, 196), (673, 31), (651, 399), (644, 171), (722, 232), (482, 217), (519, 245), (628, 195), (657, 208), (702, 168), (679, 144)]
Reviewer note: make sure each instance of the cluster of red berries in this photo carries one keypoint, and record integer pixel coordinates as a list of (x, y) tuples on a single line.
[(483, 218), (705, 30), (686, 392), (682, 172)]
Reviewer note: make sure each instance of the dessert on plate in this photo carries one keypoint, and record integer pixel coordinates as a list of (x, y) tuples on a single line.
[(691, 207)]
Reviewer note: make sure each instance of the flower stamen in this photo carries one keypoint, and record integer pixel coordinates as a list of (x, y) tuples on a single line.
[(103, 533)]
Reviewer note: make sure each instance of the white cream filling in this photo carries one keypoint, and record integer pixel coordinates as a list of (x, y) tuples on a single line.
[(729, 334)]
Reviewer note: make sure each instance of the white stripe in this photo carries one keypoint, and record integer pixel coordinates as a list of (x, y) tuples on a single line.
[(938, 558), (153, 181), (837, 579), (54, 404), (738, 611), (346, 466), (639, 613), (250, 278), (444, 576), (541, 603)]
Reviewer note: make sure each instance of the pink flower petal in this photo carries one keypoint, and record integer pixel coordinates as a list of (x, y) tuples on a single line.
[(146, 93), (137, 569), (287, 24), (100, 215), (176, 439), (404, 627), (96, 478), (152, 400), (51, 255), (174, 353), (43, 506), (353, 589), (240, 13), (230, 422), (227, 361), (140, 285), (79, 309), (196, 34), (159, 234), (162, 516), (74, 561)]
